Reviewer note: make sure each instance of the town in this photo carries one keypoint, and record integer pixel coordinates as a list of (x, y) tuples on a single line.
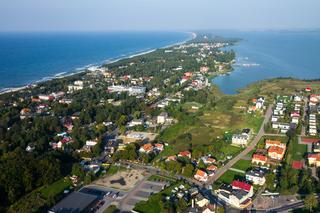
[(153, 132)]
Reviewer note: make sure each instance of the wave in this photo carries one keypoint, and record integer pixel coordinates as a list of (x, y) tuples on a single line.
[(84, 68)]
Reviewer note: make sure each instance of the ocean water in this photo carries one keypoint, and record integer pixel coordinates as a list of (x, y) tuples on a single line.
[(29, 57), (269, 54)]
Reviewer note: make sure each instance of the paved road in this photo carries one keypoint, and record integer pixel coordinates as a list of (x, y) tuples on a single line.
[(249, 148)]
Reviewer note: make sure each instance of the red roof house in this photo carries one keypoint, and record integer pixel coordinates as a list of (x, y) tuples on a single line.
[(241, 185)]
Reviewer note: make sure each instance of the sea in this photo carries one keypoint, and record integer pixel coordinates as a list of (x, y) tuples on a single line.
[(27, 58), (269, 54)]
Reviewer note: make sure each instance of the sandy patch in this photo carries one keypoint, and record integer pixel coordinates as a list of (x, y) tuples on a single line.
[(122, 180)]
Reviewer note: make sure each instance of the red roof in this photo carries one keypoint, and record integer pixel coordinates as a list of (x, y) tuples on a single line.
[(241, 185), (201, 173), (310, 140), (260, 157), (297, 164), (185, 154), (275, 149)]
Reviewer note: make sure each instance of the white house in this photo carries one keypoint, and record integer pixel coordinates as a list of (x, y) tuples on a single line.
[(256, 176), (161, 119)]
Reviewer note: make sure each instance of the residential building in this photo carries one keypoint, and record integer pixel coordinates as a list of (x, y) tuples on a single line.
[(276, 152), (147, 148), (256, 176), (184, 154), (314, 159), (238, 194), (270, 143), (201, 176), (162, 117), (259, 159)]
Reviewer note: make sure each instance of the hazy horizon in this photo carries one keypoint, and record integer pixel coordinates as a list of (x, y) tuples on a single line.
[(157, 15)]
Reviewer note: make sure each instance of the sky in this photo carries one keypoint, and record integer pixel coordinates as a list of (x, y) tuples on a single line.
[(128, 15)]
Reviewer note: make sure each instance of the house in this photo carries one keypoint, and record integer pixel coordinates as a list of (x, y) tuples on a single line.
[(211, 170), (240, 140), (208, 160), (204, 69), (147, 148), (201, 201), (171, 158), (201, 176), (314, 159), (256, 176), (276, 152), (111, 146), (159, 147), (316, 147), (46, 97), (259, 159), (238, 194), (184, 154), (135, 122), (270, 143), (162, 117), (91, 143)]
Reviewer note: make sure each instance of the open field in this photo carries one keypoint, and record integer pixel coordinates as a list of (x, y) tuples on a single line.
[(242, 165), (229, 176), (56, 188)]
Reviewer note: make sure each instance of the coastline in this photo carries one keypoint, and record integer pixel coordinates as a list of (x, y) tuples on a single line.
[(84, 69)]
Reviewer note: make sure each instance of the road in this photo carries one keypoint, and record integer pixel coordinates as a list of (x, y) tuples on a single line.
[(248, 149)]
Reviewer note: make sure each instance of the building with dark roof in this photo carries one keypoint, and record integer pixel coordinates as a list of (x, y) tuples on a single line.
[(76, 202)]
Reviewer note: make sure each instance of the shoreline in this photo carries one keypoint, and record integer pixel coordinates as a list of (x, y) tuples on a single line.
[(84, 69)]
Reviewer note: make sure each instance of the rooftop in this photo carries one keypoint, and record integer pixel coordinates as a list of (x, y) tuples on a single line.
[(74, 203)]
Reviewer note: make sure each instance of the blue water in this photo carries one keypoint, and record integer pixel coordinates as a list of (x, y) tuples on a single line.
[(279, 54), (29, 57)]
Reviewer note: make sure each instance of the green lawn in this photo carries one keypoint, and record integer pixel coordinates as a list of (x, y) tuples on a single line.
[(229, 176), (230, 150), (296, 151), (56, 188), (243, 165)]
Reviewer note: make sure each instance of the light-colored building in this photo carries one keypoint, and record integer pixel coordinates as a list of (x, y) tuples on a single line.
[(259, 159), (162, 117), (314, 159), (256, 176)]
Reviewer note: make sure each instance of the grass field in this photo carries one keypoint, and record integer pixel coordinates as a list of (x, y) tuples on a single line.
[(296, 151), (229, 176), (229, 150), (242, 165), (56, 188)]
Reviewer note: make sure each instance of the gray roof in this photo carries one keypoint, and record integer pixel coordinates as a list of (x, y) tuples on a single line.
[(76, 202), (256, 173)]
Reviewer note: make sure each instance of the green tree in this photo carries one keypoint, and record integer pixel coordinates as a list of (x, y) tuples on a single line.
[(310, 202), (188, 170)]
